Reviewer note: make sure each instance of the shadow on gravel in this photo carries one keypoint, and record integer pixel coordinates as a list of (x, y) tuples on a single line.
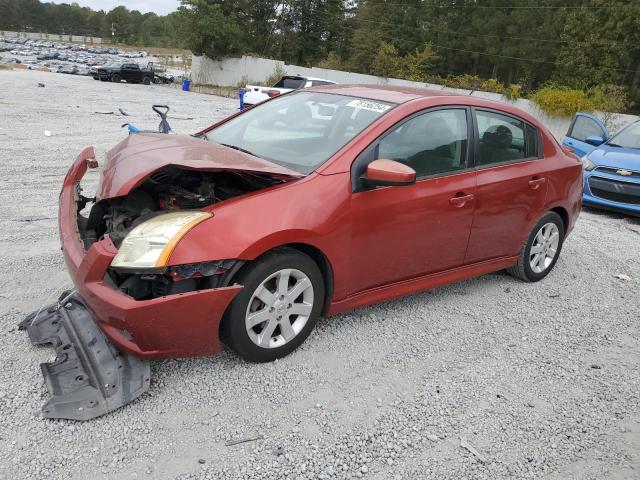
[(635, 220)]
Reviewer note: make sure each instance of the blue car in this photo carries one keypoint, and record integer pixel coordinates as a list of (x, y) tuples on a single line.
[(611, 164)]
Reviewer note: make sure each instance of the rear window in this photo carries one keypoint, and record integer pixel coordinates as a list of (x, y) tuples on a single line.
[(291, 82)]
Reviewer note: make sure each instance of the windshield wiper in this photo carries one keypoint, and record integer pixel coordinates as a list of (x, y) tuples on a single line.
[(614, 145), (240, 149)]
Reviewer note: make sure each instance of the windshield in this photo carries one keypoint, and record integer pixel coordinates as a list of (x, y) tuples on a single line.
[(291, 82), (301, 130), (627, 138)]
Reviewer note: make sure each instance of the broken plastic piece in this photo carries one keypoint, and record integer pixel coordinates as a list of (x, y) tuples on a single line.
[(230, 443), (466, 445), (89, 376)]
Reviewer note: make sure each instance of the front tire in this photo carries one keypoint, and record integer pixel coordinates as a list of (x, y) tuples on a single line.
[(541, 250), (278, 307), (115, 78)]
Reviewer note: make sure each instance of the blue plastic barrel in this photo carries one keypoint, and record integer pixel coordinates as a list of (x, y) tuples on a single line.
[(241, 93), (186, 85)]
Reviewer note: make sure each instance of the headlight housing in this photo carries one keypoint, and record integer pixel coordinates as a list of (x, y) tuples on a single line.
[(150, 244), (587, 164)]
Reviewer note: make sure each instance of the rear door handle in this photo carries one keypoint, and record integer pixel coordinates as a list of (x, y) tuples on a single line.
[(535, 182), (460, 199)]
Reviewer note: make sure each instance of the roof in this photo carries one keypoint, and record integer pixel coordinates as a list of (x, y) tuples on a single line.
[(308, 78), (383, 93)]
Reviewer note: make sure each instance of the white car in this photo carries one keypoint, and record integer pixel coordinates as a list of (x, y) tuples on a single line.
[(255, 94)]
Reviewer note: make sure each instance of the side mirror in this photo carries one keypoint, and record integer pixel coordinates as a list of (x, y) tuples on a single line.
[(594, 140), (383, 173)]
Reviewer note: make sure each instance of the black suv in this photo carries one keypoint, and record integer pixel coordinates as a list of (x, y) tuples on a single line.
[(129, 72)]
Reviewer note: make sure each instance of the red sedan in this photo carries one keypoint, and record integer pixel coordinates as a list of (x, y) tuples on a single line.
[(310, 204)]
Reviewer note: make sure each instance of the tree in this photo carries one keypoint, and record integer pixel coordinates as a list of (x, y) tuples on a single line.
[(386, 62), (418, 63), (210, 28)]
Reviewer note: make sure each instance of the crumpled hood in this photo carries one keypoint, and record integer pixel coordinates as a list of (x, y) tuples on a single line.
[(616, 157), (135, 158)]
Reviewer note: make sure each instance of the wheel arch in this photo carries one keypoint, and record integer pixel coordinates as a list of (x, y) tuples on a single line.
[(564, 215), (317, 255)]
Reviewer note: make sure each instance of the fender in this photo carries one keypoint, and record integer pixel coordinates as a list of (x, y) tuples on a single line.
[(246, 227)]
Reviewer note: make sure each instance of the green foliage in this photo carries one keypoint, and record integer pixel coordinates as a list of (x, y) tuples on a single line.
[(610, 99), (131, 26), (564, 101), (513, 92), (332, 62), (211, 29), (387, 63), (471, 82), (497, 46), (418, 63), (278, 72)]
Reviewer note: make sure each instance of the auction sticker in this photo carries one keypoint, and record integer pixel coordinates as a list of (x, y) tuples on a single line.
[(369, 105)]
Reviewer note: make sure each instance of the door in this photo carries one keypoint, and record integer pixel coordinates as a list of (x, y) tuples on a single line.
[(131, 73), (405, 232), (511, 188), (582, 127)]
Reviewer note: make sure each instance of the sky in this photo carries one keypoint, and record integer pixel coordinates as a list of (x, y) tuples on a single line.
[(161, 7)]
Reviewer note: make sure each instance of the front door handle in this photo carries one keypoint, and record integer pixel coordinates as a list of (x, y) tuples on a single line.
[(460, 199), (535, 182)]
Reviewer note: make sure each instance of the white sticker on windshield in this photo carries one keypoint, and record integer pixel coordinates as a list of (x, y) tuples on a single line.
[(369, 105)]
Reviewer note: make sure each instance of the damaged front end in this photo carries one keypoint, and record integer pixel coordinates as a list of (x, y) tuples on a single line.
[(168, 190), (130, 306)]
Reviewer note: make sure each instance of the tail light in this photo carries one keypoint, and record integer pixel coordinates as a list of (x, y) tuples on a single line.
[(271, 93)]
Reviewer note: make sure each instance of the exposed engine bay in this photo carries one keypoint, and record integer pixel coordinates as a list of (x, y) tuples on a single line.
[(166, 190)]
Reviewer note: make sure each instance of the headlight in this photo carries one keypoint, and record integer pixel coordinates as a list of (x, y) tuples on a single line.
[(587, 164), (150, 244)]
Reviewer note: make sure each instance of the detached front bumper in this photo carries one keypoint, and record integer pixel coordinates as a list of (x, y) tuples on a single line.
[(180, 325)]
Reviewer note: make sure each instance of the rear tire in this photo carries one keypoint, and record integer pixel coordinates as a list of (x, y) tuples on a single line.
[(146, 81), (278, 307), (115, 78), (541, 250)]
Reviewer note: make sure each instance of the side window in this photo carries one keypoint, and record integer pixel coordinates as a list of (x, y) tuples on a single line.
[(501, 138), (585, 127), (434, 142), (531, 142), (318, 83)]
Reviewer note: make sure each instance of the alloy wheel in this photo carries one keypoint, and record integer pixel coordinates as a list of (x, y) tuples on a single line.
[(544, 248), (279, 308)]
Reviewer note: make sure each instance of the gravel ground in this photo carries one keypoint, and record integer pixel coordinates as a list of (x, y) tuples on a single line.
[(542, 379)]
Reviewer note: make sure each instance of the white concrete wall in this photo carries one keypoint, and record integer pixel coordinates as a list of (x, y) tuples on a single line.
[(232, 71), (52, 37)]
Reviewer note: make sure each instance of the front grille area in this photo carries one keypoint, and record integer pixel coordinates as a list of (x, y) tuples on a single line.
[(614, 171), (614, 190)]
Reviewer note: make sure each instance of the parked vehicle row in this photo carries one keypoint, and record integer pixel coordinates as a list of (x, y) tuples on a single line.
[(105, 64), (89, 55)]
